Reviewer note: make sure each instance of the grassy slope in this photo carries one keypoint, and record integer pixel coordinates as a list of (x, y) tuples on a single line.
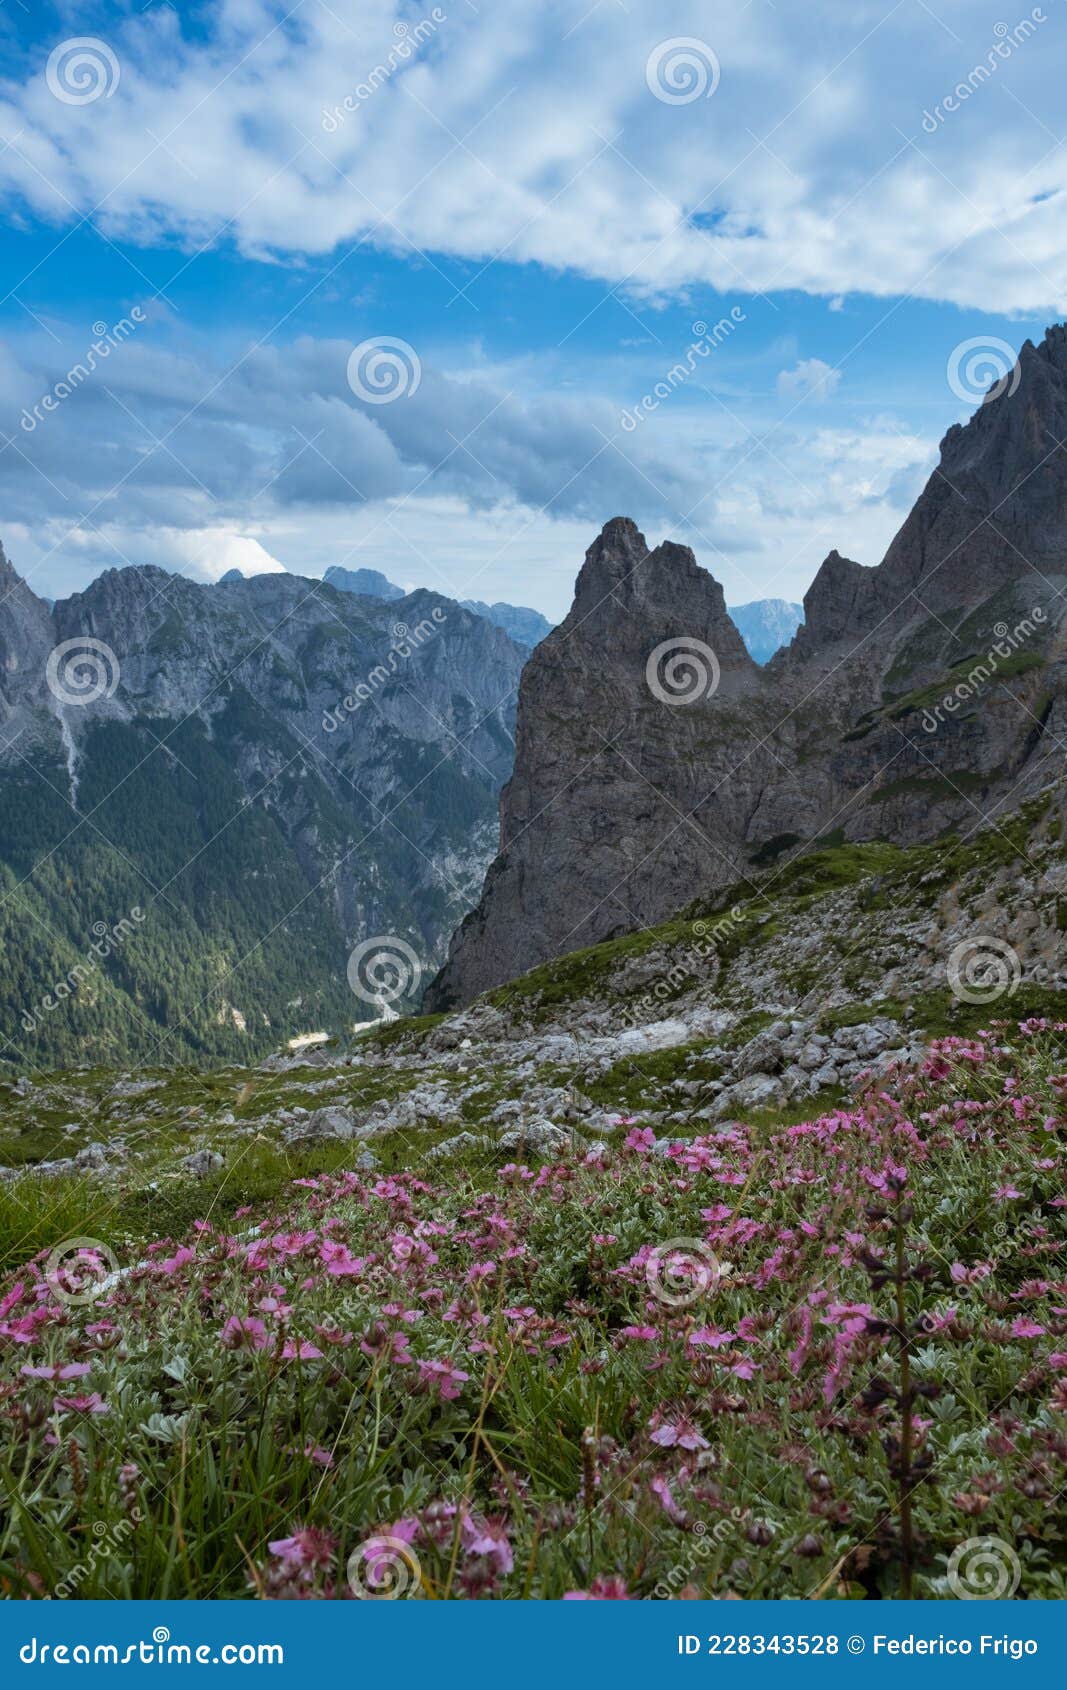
[(794, 1487), (571, 1363)]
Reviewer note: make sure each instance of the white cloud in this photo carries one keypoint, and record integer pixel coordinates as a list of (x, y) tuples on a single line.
[(810, 378), (531, 132), (280, 466), (207, 554)]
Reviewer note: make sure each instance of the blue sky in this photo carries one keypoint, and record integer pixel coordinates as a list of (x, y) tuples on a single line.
[(549, 207)]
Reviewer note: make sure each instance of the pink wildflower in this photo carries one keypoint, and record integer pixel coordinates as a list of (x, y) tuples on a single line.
[(678, 1433), (309, 1546), (1023, 1327), (91, 1404), (443, 1376), (482, 1536), (610, 1589)]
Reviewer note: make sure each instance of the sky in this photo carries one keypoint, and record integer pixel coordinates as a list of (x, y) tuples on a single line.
[(438, 290)]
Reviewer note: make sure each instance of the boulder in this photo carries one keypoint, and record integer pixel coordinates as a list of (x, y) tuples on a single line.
[(204, 1162), (330, 1122), (540, 1138), (762, 1054), (461, 1142), (755, 1091)]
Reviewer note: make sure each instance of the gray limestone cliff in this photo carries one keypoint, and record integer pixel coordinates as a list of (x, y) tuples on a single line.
[(923, 695)]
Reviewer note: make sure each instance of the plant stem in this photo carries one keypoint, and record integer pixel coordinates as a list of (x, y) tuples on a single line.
[(907, 1547)]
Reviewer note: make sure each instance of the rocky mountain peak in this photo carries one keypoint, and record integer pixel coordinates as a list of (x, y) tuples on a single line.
[(631, 599), (835, 605), (626, 803)]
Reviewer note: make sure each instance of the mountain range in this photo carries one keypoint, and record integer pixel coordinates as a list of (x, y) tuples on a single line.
[(333, 757), (245, 781), (655, 760), (765, 625)]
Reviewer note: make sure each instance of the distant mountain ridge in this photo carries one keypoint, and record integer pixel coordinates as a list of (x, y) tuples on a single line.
[(370, 582), (526, 627), (766, 625), (268, 770)]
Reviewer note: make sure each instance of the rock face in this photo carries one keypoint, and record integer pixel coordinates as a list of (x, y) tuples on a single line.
[(271, 770), (916, 697), (26, 638)]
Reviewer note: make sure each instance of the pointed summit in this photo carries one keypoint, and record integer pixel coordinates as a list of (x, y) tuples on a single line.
[(627, 595), (992, 518), (26, 637), (617, 707)]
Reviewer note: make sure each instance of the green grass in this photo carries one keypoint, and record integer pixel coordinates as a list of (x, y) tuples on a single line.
[(209, 1453)]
